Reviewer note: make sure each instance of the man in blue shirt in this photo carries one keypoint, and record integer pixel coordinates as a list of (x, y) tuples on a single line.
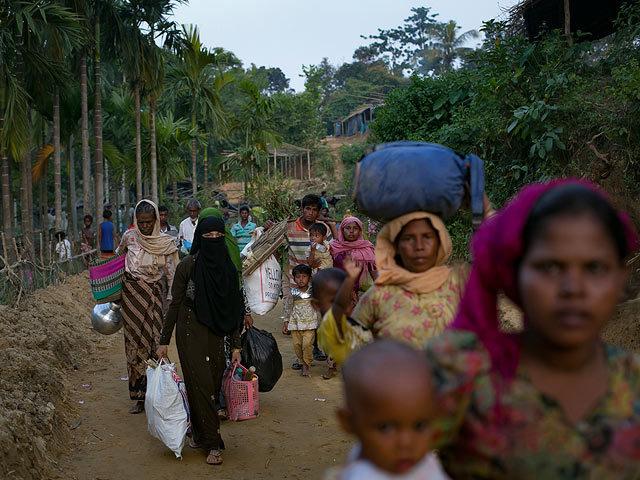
[(106, 235), (243, 229)]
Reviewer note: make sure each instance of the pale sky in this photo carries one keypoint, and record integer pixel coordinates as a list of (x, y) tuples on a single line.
[(292, 33)]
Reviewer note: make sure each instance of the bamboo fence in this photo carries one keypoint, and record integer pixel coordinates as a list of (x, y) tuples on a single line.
[(40, 269)]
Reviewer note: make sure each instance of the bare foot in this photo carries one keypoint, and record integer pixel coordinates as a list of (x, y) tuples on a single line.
[(192, 442), (331, 372), (214, 457), (137, 408), (305, 371)]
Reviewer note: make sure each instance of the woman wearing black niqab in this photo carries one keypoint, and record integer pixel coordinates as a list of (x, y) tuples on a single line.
[(207, 306)]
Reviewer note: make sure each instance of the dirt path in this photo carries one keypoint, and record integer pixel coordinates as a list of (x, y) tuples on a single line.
[(296, 436)]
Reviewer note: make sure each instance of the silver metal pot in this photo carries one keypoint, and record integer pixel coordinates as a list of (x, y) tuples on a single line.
[(106, 318)]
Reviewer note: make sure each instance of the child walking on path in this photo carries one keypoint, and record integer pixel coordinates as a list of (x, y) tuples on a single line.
[(304, 319)]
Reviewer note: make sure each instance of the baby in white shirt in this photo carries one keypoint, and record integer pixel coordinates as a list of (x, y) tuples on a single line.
[(390, 404), (318, 252)]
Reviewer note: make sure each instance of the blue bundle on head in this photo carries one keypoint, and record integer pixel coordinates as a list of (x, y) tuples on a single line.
[(404, 177)]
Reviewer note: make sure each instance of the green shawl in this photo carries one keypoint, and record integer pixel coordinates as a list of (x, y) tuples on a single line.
[(229, 240)]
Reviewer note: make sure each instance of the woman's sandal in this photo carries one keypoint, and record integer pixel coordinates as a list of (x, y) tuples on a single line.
[(214, 457), (332, 372)]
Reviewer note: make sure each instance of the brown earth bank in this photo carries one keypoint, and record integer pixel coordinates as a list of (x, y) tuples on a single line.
[(63, 402)]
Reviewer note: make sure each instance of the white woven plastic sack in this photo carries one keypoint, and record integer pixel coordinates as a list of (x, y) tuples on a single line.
[(166, 407), (263, 285)]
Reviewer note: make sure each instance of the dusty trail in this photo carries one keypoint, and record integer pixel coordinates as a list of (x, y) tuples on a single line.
[(296, 436)]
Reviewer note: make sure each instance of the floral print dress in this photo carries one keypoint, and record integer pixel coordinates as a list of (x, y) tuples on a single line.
[(521, 433), (389, 311)]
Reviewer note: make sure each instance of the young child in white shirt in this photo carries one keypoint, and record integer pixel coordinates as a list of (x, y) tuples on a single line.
[(304, 320), (63, 247), (318, 249), (390, 404)]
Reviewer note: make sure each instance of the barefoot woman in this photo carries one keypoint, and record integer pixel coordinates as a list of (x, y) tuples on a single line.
[(148, 254)]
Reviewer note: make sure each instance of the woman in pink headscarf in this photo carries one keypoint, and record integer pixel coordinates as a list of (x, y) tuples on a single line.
[(351, 244), (551, 401)]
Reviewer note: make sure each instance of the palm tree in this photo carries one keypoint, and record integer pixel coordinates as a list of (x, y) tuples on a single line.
[(254, 122), (82, 8), (172, 135), (145, 64), (59, 43), (103, 12), (448, 45), (29, 33), (197, 80)]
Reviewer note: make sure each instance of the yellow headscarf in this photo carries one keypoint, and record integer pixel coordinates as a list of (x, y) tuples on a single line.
[(156, 246), (390, 273)]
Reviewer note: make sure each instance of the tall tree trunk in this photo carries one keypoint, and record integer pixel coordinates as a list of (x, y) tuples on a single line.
[(41, 209), (12, 205), (97, 125), (124, 201), (123, 186), (152, 153), (57, 178), (69, 229), (6, 196), (45, 191), (193, 166), (175, 193), (27, 212), (72, 190), (45, 205), (27, 161), (567, 21), (138, 144), (107, 190), (113, 197), (26, 196), (24, 203), (86, 155), (204, 163)]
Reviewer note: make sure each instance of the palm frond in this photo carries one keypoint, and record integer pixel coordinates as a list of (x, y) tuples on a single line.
[(43, 156)]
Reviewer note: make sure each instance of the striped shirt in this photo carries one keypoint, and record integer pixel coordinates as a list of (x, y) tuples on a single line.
[(243, 235)]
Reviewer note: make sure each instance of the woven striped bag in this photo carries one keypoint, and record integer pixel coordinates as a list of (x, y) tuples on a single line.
[(106, 277)]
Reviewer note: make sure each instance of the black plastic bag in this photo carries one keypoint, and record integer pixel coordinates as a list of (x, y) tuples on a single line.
[(260, 350)]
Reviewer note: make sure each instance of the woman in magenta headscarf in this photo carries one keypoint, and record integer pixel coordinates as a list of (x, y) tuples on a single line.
[(552, 401), (351, 244)]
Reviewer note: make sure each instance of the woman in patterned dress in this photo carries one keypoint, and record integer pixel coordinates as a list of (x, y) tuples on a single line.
[(149, 253), (552, 401)]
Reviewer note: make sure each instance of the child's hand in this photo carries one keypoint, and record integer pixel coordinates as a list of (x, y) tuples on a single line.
[(353, 270), (285, 328), (313, 245)]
